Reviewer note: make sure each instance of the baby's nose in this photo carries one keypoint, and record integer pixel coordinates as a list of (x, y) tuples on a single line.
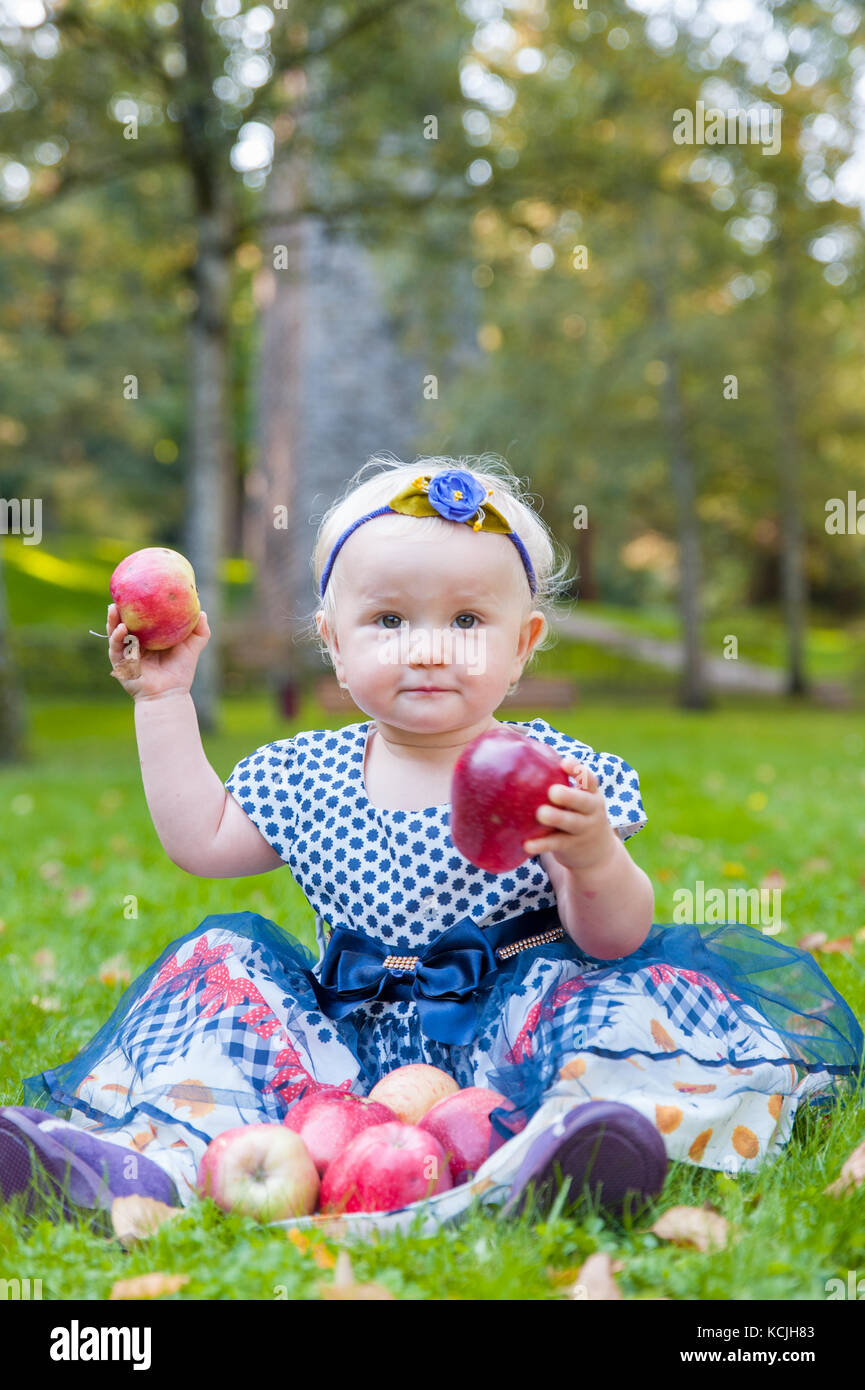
[(429, 646)]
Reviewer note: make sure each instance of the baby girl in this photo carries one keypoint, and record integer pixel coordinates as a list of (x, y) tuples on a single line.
[(618, 1043)]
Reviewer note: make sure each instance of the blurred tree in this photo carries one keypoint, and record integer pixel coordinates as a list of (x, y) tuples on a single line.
[(693, 693), (554, 134), (805, 235), (204, 71), (573, 120), (334, 383)]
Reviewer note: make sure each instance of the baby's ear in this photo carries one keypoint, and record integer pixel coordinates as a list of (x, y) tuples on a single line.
[(534, 628), (333, 648)]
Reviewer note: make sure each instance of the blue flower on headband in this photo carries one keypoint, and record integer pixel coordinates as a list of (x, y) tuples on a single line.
[(443, 494)]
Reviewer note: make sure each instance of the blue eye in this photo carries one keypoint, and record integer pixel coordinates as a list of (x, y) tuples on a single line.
[(389, 615)]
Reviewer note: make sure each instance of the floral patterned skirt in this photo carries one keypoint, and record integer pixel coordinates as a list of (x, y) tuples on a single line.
[(715, 1034)]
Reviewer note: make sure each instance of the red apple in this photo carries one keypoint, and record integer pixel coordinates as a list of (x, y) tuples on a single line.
[(264, 1171), (385, 1168), (499, 781), (329, 1119), (413, 1090), (462, 1125), (156, 597)]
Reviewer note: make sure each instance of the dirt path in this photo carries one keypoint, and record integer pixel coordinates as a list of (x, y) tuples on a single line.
[(743, 677)]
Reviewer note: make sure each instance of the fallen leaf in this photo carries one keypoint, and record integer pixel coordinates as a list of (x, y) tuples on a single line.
[(595, 1279), (839, 943), (812, 942), (47, 1003), (773, 879), (78, 898), (562, 1276), (45, 962), (115, 970), (852, 1173), (148, 1286), (299, 1238), (733, 870), (324, 1258), (135, 1217), (694, 1226), (344, 1287)]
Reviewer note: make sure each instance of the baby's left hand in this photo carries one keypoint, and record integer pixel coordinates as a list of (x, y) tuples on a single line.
[(581, 835)]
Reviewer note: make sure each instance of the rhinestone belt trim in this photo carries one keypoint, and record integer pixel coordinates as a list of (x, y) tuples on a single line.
[(401, 962), (503, 952), (542, 939)]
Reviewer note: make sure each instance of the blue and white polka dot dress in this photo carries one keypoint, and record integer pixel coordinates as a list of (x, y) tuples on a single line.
[(395, 875), (715, 1035)]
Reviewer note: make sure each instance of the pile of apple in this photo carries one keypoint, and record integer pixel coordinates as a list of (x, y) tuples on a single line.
[(416, 1134)]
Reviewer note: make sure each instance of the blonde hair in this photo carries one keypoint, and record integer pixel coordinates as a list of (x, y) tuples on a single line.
[(549, 560)]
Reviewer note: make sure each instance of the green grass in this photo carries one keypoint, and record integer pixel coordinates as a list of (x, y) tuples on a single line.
[(753, 787)]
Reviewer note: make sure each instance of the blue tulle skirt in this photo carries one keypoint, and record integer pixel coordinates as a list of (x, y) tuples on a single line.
[(715, 1033)]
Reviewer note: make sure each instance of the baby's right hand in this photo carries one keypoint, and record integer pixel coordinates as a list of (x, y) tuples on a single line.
[(173, 669)]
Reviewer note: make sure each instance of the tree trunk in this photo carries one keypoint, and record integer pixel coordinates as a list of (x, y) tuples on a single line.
[(586, 586), (693, 693), (210, 433), (13, 747), (794, 584), (335, 386), (272, 512)]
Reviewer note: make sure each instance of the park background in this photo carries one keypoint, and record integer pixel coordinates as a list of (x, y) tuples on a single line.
[(243, 248)]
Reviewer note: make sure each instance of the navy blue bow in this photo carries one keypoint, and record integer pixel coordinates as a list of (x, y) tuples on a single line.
[(443, 984)]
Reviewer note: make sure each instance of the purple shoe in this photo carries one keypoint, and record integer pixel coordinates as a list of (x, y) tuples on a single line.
[(62, 1163), (611, 1147)]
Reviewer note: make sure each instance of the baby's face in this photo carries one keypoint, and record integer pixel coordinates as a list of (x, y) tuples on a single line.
[(452, 613)]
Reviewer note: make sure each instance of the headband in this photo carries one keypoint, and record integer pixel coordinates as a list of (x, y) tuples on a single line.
[(455, 495)]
